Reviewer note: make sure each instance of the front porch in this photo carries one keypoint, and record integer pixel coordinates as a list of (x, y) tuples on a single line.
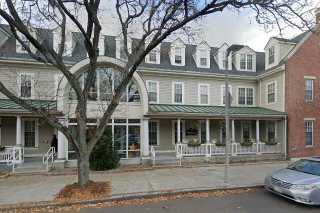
[(191, 135)]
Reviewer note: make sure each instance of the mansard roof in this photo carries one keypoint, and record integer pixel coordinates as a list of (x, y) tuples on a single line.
[(8, 51)]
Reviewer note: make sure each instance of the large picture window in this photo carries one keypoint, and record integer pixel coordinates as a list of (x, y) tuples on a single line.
[(106, 82)]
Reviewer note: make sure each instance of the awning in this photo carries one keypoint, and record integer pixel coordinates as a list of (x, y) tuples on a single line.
[(9, 106), (213, 111)]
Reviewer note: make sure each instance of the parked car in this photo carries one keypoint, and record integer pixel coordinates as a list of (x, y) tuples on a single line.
[(300, 181)]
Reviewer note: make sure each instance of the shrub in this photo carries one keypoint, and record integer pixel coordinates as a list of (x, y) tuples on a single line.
[(194, 142), (247, 142), (104, 156)]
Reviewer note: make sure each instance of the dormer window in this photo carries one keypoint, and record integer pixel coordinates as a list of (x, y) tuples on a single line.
[(25, 41), (203, 58), (120, 50), (271, 55), (153, 56), (246, 61), (178, 55), (225, 60)]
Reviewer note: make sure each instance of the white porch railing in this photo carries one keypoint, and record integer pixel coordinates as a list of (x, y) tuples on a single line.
[(48, 158), (12, 155), (208, 150)]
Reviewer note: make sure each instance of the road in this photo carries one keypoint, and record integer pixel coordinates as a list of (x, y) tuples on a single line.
[(258, 201)]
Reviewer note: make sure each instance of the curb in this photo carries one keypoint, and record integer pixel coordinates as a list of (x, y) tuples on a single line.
[(122, 197), (151, 168)]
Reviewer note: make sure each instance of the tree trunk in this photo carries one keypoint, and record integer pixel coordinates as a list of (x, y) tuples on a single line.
[(83, 169)]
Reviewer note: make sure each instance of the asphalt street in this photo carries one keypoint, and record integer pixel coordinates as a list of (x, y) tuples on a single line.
[(248, 202)]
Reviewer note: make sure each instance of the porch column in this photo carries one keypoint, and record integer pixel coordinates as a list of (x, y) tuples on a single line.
[(258, 136), (18, 131), (62, 141), (178, 130), (233, 134), (257, 131), (207, 131), (145, 138)]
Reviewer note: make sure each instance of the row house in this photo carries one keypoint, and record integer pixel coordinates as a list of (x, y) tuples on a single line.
[(175, 102)]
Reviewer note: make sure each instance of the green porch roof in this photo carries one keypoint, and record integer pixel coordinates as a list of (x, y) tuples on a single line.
[(7, 105), (171, 109)]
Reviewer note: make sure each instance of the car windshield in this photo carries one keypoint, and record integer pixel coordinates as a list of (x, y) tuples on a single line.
[(306, 166)]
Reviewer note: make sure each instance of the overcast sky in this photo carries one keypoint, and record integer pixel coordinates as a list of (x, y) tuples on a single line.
[(229, 27)]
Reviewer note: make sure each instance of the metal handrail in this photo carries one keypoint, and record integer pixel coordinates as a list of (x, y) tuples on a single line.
[(49, 157)]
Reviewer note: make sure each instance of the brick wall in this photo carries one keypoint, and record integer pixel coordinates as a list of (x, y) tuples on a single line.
[(305, 62)]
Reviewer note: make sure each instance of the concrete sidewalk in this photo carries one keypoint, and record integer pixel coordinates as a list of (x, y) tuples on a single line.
[(35, 188)]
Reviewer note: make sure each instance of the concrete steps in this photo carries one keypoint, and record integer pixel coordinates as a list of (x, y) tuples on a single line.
[(31, 165)]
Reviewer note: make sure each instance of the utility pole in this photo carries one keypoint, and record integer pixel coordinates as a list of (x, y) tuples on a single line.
[(227, 121)]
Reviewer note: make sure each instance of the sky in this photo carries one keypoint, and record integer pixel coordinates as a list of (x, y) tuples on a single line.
[(229, 26)]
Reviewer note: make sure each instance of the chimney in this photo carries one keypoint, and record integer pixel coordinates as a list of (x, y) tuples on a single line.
[(317, 13)]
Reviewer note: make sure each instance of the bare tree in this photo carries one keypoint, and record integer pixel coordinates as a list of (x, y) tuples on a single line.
[(156, 20)]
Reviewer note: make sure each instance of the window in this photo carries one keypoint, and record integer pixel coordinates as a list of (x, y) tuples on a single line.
[(153, 56), (249, 62), (271, 55), (30, 133), (245, 96), (271, 92), (223, 92), (178, 92), (243, 61), (271, 131), (203, 58), (154, 133), (203, 94), (308, 132), (26, 87), (133, 93), (107, 80), (153, 91), (242, 96), (246, 61), (177, 55), (308, 90), (249, 95), (246, 126), (225, 60)]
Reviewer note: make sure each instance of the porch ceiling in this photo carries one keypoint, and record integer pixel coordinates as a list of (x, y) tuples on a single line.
[(9, 106), (214, 111)]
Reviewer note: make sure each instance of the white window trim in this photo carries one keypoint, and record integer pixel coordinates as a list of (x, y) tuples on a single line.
[(158, 50), (199, 93), (245, 93), (183, 55), (36, 133), (207, 50), (158, 131), (222, 91), (173, 92), (32, 84), (158, 90), (312, 96), (312, 120), (274, 55), (246, 62), (250, 129), (275, 92)]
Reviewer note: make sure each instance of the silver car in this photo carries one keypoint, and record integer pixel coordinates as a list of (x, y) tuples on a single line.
[(300, 181)]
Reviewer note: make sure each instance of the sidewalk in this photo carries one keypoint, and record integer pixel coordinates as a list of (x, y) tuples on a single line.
[(36, 188)]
